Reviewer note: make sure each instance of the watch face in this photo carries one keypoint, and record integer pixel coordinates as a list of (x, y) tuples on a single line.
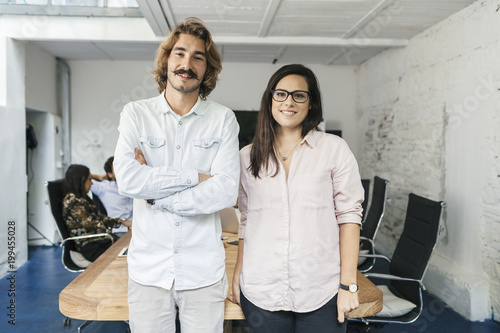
[(353, 288)]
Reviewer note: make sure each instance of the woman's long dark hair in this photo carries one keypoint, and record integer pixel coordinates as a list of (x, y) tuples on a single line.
[(74, 181), (262, 149)]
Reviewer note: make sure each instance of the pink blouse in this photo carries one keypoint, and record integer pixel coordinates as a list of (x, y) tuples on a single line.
[(290, 227)]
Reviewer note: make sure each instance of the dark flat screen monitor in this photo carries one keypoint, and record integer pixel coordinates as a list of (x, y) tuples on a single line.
[(336, 132), (248, 122)]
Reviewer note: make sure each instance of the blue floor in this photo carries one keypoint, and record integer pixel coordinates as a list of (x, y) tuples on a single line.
[(39, 282)]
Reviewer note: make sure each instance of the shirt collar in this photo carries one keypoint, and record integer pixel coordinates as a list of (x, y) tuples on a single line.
[(312, 138), (165, 107)]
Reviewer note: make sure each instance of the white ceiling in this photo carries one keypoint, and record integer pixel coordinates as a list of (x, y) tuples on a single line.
[(340, 32)]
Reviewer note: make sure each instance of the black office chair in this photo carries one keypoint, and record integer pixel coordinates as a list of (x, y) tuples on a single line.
[(409, 262), (56, 196), (98, 203), (366, 187), (372, 222)]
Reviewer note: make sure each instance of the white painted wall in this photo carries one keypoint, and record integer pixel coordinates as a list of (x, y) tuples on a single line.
[(3, 69), (430, 123), (41, 80), (13, 168), (100, 89), (44, 164), (41, 96)]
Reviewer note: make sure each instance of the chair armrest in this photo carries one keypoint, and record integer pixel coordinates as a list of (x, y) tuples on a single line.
[(366, 239), (88, 236), (393, 277), (362, 238), (374, 256)]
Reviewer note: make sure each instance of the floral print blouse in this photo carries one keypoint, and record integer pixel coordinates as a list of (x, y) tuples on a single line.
[(83, 218)]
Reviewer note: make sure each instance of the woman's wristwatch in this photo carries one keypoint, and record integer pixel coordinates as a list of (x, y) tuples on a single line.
[(353, 287)]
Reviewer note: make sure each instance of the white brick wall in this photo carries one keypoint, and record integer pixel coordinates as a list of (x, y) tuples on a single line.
[(490, 212), (430, 120)]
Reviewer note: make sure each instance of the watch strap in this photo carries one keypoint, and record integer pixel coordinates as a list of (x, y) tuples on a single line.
[(344, 287), (348, 288)]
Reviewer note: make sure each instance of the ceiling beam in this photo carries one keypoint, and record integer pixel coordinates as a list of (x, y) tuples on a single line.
[(101, 50), (221, 50), (268, 17), (310, 41), (279, 53), (367, 18), (167, 10), (153, 13)]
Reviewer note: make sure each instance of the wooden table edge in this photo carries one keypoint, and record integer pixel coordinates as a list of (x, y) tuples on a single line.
[(71, 302)]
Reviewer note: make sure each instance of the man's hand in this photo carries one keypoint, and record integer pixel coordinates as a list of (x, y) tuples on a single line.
[(127, 223), (202, 177), (139, 156)]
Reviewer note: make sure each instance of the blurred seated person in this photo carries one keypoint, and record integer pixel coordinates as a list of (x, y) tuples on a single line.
[(81, 214), (117, 205)]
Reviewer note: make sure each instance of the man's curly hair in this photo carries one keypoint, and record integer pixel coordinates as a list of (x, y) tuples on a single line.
[(195, 27)]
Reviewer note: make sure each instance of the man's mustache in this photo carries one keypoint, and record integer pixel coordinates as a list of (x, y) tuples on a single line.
[(189, 72)]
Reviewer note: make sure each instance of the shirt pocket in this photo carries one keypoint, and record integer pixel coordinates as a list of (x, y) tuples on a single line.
[(153, 150), (204, 152)]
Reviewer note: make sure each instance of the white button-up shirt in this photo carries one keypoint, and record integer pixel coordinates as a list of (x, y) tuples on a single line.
[(290, 226), (179, 238)]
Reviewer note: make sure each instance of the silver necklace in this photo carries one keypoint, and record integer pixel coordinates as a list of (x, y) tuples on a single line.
[(286, 156)]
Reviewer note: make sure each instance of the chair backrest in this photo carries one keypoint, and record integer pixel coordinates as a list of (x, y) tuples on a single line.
[(366, 187), (377, 208), (56, 196), (98, 203), (414, 248)]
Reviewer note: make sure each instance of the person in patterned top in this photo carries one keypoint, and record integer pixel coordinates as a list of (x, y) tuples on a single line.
[(81, 214)]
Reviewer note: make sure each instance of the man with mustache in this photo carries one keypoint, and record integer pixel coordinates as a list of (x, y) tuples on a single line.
[(177, 156)]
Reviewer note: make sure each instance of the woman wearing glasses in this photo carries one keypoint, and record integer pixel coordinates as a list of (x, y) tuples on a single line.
[(300, 201)]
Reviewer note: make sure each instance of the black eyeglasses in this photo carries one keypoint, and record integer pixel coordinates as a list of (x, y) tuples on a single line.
[(299, 96)]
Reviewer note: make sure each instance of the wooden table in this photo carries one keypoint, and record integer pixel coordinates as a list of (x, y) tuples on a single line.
[(100, 292)]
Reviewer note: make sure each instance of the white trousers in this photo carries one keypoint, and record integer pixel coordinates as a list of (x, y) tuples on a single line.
[(153, 309)]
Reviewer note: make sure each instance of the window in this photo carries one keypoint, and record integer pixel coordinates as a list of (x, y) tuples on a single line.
[(128, 8)]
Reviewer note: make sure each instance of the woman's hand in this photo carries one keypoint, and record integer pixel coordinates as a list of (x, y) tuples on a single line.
[(346, 302), (139, 156), (349, 247), (127, 223), (234, 295)]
